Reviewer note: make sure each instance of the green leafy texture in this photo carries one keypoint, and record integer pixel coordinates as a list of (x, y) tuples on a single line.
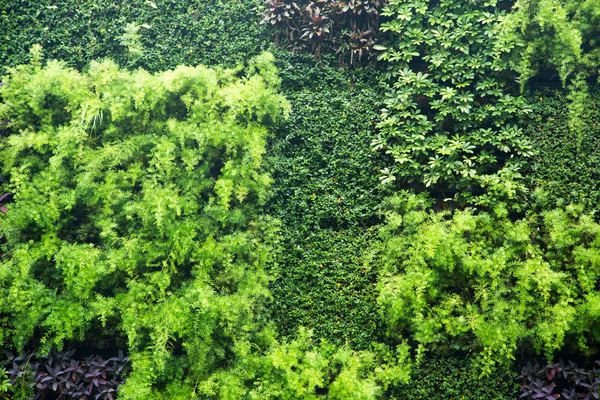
[(558, 35), (323, 149), (453, 378), (566, 166), (300, 370), (136, 209), (327, 196), (169, 32), (484, 284), (449, 121), (5, 385)]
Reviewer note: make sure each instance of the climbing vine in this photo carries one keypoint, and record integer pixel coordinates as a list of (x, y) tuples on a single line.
[(449, 117)]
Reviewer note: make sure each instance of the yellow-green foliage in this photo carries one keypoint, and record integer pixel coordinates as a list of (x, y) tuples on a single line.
[(136, 219), (560, 35), (486, 284), (301, 370), (135, 213)]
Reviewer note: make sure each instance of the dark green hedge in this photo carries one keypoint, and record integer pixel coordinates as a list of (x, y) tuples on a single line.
[(181, 32), (455, 379), (566, 164), (327, 195)]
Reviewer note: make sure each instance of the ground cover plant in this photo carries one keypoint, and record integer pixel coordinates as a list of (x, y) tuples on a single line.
[(564, 169), (170, 33), (60, 375), (455, 378), (327, 196), (560, 380)]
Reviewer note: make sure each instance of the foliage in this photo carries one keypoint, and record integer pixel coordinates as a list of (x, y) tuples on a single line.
[(327, 195), (132, 40), (558, 34), (135, 213), (485, 284), (559, 380), (348, 27), (62, 376), (300, 370), (566, 165), (322, 285), (172, 32), (449, 120), (454, 378), (5, 385), (322, 150), (562, 36)]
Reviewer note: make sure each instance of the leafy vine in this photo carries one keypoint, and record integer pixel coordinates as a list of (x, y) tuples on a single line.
[(449, 120)]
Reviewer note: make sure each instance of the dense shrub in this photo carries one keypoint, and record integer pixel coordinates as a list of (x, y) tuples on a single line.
[(485, 284), (135, 213), (95, 250), (560, 36), (171, 32), (327, 137), (298, 369)]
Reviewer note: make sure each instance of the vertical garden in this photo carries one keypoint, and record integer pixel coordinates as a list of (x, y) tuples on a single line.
[(311, 199)]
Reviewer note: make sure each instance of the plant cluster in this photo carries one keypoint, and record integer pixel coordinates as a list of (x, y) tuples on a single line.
[(488, 285), (449, 122), (327, 196), (135, 214), (559, 381), (5, 385), (218, 32), (63, 377), (455, 378), (560, 36), (301, 369), (566, 166), (350, 27)]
